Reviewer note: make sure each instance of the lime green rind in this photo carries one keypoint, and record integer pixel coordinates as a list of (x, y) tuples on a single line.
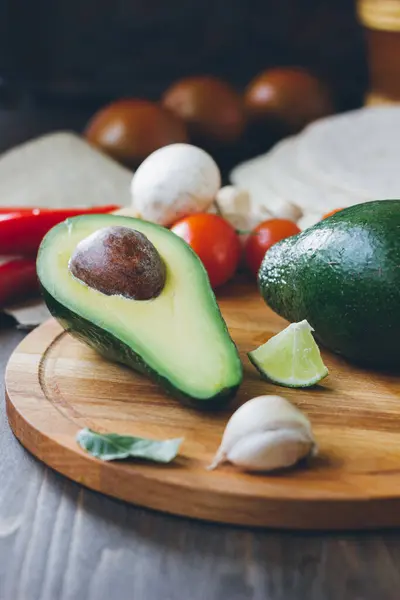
[(276, 359), (269, 378)]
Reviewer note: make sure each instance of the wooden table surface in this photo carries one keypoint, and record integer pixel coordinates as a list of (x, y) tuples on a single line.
[(59, 541)]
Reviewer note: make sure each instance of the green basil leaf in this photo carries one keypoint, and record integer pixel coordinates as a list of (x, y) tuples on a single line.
[(111, 446)]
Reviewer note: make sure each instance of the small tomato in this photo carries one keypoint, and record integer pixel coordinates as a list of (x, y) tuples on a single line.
[(216, 243), (265, 235), (330, 213)]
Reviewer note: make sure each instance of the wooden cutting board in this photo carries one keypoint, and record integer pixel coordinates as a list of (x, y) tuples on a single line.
[(56, 385)]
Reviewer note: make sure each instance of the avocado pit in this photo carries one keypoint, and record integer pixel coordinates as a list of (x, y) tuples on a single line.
[(119, 261)]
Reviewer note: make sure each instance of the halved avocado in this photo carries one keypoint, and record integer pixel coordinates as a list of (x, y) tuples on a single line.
[(179, 339)]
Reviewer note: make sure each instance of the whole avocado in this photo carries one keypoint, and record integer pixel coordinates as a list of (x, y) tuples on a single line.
[(343, 276)]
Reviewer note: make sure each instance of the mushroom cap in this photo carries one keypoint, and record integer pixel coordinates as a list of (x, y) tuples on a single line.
[(173, 182)]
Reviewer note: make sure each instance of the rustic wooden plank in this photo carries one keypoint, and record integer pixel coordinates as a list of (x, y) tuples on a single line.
[(59, 541)]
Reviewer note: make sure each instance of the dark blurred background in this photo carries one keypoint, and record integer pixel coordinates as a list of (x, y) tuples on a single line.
[(90, 51), (61, 60)]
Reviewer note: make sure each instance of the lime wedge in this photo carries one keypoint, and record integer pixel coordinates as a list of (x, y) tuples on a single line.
[(291, 358)]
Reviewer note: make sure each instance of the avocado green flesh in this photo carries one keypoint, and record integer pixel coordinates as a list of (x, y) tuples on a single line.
[(179, 339), (343, 276)]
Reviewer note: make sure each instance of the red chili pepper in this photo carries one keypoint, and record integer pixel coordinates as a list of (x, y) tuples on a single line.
[(18, 280), (22, 229)]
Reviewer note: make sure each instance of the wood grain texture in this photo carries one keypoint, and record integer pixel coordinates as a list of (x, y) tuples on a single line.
[(56, 385), (59, 541)]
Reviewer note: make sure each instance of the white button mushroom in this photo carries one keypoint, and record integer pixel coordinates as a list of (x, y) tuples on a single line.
[(173, 182), (266, 433)]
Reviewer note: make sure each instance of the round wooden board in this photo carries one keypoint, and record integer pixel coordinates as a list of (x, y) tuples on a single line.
[(56, 385)]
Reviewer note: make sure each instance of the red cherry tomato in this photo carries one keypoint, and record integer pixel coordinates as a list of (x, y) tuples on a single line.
[(216, 243), (332, 212), (265, 235)]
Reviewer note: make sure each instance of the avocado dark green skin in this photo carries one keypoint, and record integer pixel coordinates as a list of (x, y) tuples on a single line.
[(113, 349), (343, 276)]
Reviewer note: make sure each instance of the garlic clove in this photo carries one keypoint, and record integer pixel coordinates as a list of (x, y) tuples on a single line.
[(244, 224), (286, 210), (261, 213), (233, 200), (218, 459), (262, 412), (265, 415), (234, 205), (270, 450), (213, 210), (275, 207)]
